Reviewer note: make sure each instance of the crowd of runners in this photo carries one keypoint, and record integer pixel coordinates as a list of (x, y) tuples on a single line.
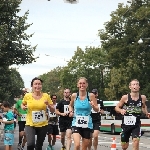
[(77, 116)]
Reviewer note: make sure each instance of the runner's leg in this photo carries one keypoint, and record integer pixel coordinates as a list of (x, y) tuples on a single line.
[(68, 135), (41, 134), (30, 134)]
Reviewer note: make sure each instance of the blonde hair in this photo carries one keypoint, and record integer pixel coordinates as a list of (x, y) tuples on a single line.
[(82, 78), (133, 80)]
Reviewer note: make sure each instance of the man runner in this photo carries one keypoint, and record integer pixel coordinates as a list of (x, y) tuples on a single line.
[(21, 122), (62, 109), (96, 119), (131, 107), (52, 125)]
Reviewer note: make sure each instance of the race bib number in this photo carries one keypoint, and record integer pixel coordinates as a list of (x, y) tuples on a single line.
[(82, 121), (38, 116), (66, 109), (52, 114), (23, 117), (93, 111), (129, 120)]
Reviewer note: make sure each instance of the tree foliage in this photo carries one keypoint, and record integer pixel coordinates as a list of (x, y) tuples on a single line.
[(52, 82), (10, 84), (126, 56), (14, 47), (120, 52), (89, 63)]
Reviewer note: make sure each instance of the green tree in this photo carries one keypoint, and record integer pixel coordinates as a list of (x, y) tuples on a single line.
[(90, 64), (14, 41), (11, 84), (127, 25), (52, 82), (15, 47)]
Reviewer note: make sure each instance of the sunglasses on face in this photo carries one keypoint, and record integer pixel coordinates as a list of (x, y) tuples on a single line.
[(54, 98)]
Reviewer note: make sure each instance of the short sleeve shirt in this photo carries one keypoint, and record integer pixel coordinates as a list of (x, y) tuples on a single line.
[(36, 105), (9, 116), (19, 109)]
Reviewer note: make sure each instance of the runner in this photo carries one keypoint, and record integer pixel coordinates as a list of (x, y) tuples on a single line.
[(52, 126), (21, 122), (8, 121), (36, 121), (62, 109), (131, 107), (96, 119), (82, 125)]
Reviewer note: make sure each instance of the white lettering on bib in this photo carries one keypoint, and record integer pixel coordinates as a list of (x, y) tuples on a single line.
[(82, 121), (52, 114), (93, 111), (38, 116), (66, 109), (23, 117), (129, 120)]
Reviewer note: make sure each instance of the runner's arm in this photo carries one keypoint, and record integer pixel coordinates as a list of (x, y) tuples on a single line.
[(50, 104), (120, 104), (94, 102), (73, 97), (16, 112), (144, 107), (57, 110), (102, 107)]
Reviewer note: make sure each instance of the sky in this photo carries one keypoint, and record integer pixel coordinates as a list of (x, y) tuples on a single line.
[(60, 27)]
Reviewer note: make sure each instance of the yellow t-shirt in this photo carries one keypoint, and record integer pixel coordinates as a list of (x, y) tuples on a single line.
[(36, 110)]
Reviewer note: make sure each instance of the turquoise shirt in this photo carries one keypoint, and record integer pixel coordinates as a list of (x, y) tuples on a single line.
[(9, 116), (83, 109)]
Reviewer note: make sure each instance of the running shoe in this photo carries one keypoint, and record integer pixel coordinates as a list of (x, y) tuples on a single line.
[(19, 146), (63, 148), (52, 148), (49, 147)]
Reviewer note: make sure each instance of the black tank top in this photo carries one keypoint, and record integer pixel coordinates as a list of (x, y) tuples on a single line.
[(133, 108)]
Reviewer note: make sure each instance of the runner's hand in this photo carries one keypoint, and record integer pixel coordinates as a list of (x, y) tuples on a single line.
[(63, 114), (46, 102), (24, 107), (92, 104), (148, 115), (123, 111), (1, 120), (71, 114), (19, 115)]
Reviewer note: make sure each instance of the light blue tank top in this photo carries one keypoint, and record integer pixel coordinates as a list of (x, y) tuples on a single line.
[(82, 108)]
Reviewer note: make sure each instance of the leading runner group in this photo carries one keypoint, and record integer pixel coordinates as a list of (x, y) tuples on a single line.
[(76, 116)]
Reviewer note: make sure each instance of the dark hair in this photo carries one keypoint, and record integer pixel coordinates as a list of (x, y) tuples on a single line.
[(36, 78), (6, 104), (53, 95), (67, 89), (95, 91)]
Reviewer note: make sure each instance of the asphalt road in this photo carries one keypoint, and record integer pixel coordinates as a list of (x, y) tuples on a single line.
[(105, 141)]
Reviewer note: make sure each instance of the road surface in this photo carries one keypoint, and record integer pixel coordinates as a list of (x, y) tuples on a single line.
[(105, 141)]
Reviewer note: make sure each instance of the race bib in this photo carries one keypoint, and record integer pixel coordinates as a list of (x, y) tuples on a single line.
[(82, 121), (129, 120), (93, 111), (66, 109), (38, 116), (52, 114), (23, 117), (4, 119)]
